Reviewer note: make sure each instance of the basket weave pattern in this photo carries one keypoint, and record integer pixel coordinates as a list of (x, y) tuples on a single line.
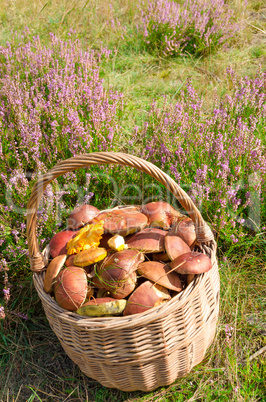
[(147, 350)]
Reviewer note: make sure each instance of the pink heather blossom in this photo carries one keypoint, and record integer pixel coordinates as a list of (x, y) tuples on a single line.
[(228, 333), (193, 26), (53, 105), (217, 156)]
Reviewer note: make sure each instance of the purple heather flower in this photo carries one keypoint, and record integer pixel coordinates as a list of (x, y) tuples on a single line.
[(6, 291), (21, 315), (211, 22)]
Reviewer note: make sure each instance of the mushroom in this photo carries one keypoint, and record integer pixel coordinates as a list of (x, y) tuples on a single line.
[(98, 283), (117, 243), (87, 238), (161, 274), (191, 263), (146, 296), (89, 257), (101, 307), (130, 208), (52, 271), (160, 257), (70, 263), (185, 229), (122, 222), (120, 263), (122, 288), (160, 214), (149, 240), (59, 242), (71, 288), (116, 273), (70, 260), (82, 215), (175, 246)]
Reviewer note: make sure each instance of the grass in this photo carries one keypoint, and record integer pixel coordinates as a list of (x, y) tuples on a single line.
[(33, 365)]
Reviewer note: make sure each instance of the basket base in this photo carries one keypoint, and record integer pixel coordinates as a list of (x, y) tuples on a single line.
[(145, 351), (144, 377)]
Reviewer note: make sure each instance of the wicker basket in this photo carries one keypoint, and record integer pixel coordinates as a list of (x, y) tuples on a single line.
[(142, 351)]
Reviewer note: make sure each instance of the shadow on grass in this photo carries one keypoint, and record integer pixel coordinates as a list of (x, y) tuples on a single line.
[(35, 367)]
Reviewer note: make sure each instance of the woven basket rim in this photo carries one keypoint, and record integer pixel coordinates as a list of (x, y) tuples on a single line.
[(203, 232)]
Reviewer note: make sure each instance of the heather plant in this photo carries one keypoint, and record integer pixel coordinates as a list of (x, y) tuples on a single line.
[(196, 27), (218, 156), (53, 106), (53, 103)]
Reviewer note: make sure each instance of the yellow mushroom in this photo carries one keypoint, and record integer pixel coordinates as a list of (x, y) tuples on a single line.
[(88, 257), (87, 238)]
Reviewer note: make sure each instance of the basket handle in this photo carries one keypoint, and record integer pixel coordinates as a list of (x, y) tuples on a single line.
[(203, 232)]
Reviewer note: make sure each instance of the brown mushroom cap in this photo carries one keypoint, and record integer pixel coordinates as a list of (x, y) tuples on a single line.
[(123, 288), (70, 260), (149, 240), (146, 296), (160, 214), (191, 263), (130, 208), (163, 257), (116, 272), (160, 273), (71, 288), (105, 306), (175, 246), (90, 256), (123, 221), (59, 241), (98, 282), (185, 229), (52, 271), (119, 264), (82, 215), (70, 263)]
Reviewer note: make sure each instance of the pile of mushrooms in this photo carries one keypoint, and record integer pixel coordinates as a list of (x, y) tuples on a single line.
[(123, 261)]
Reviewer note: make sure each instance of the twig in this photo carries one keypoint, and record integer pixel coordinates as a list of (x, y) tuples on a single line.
[(256, 354), (259, 352), (259, 29)]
